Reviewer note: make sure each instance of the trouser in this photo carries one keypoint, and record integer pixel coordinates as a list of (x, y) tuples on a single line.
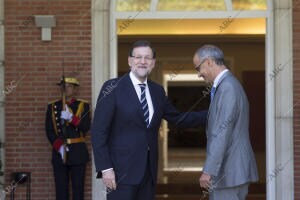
[(232, 193), (143, 191), (61, 175)]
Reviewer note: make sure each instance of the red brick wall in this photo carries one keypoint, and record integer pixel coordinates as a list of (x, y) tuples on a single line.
[(296, 77), (32, 67)]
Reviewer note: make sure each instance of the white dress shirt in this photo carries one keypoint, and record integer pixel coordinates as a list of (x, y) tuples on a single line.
[(137, 88)]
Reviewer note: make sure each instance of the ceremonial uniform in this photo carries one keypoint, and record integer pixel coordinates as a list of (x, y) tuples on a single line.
[(72, 134)]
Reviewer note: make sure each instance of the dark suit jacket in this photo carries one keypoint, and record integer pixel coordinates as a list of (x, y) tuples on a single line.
[(120, 137)]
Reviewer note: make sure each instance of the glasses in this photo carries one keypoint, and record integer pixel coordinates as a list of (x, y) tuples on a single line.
[(140, 58), (198, 67)]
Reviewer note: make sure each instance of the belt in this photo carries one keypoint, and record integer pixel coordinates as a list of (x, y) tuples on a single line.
[(75, 140)]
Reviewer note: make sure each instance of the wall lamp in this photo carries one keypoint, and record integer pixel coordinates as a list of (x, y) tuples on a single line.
[(46, 22)]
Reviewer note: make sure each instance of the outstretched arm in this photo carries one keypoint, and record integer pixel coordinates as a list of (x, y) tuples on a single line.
[(183, 119)]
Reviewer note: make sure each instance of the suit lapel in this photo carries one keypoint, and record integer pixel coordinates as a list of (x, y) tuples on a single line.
[(228, 73), (133, 99), (154, 101)]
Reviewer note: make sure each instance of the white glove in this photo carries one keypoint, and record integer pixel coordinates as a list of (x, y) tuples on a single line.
[(66, 115), (62, 150)]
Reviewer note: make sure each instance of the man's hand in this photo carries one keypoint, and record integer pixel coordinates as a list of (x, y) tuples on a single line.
[(109, 179), (66, 115), (205, 180)]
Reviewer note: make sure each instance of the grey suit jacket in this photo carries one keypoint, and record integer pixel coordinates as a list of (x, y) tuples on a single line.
[(230, 159)]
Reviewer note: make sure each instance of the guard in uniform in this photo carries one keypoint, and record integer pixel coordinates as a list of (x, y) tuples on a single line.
[(66, 127)]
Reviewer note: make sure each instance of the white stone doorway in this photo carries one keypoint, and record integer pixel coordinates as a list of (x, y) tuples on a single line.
[(279, 98)]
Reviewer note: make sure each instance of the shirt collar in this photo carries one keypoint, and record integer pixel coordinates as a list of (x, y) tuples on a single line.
[(217, 79), (136, 81)]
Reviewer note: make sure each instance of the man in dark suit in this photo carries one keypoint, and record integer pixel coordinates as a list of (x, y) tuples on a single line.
[(230, 164), (125, 128), (66, 127)]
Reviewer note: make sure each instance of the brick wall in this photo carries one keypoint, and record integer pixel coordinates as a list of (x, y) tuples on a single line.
[(32, 67), (296, 77)]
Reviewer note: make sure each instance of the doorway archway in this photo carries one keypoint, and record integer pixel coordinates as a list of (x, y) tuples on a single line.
[(279, 115)]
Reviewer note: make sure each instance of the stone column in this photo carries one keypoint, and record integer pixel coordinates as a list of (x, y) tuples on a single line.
[(100, 68), (282, 75)]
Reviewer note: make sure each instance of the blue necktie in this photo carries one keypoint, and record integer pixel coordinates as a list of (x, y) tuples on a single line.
[(144, 103), (212, 93)]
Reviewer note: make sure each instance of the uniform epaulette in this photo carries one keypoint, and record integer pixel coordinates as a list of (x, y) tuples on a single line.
[(85, 101), (51, 102)]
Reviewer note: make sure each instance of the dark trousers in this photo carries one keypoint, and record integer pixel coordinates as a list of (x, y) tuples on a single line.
[(143, 191), (61, 175)]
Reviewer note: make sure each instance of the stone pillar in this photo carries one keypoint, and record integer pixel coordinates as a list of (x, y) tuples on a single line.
[(100, 68), (282, 77)]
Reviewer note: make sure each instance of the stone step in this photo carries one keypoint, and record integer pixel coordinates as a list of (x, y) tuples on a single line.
[(185, 188), (185, 191), (199, 197)]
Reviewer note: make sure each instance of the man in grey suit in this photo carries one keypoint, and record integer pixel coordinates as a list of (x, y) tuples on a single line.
[(230, 163)]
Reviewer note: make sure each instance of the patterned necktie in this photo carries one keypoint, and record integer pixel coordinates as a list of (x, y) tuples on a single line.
[(212, 93), (144, 103)]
